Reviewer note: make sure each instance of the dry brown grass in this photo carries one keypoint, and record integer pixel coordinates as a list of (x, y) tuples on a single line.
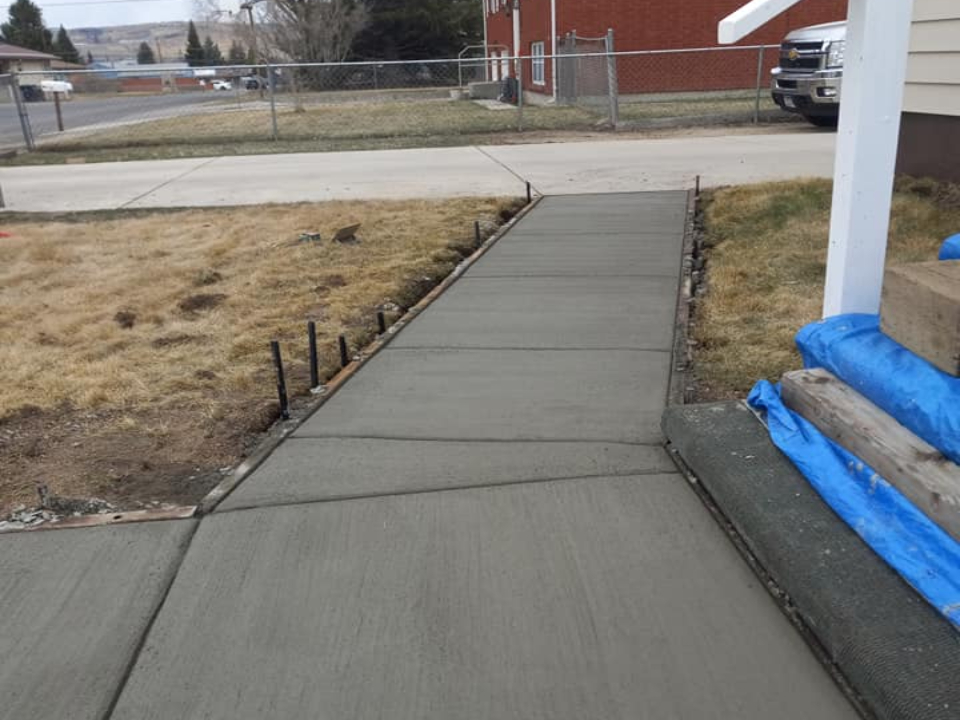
[(766, 260), (145, 320)]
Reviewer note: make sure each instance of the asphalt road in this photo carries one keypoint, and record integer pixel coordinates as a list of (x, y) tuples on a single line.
[(80, 112)]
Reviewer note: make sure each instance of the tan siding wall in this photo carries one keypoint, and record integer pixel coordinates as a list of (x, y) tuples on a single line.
[(933, 73)]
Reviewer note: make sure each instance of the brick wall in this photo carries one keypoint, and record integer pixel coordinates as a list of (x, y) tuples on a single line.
[(660, 25)]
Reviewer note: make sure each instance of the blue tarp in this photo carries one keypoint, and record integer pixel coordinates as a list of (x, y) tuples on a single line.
[(924, 555), (950, 250), (907, 387)]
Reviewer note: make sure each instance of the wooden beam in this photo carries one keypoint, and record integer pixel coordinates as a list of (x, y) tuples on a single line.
[(874, 70), (751, 16), (915, 468)]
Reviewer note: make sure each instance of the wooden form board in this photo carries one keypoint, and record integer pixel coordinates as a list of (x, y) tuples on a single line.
[(920, 309), (913, 466)]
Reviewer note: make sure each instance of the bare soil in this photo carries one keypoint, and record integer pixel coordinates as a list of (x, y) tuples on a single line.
[(134, 346)]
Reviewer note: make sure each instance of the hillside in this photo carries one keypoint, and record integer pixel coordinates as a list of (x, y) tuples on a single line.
[(168, 39)]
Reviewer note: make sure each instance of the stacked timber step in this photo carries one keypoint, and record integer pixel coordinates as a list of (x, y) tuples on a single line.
[(913, 466), (920, 310)]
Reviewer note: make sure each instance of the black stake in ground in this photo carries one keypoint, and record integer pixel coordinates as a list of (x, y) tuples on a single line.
[(312, 340), (529, 193), (281, 382), (696, 192), (476, 232), (344, 356), (381, 322)]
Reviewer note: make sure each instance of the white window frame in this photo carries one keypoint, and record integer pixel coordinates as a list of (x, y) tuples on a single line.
[(538, 65)]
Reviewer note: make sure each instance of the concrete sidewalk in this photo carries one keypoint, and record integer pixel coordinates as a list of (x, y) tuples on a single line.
[(552, 168), (481, 525)]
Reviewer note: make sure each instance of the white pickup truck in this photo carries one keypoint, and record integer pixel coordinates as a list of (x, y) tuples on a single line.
[(808, 78)]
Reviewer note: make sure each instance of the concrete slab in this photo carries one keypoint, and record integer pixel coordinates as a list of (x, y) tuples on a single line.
[(98, 186), (314, 469), (387, 174), (608, 599), (900, 655), (670, 163), (549, 312), (571, 254), (609, 395), (74, 605), (554, 168)]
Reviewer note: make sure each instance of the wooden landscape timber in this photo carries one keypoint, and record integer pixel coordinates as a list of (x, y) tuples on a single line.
[(920, 309), (911, 465)]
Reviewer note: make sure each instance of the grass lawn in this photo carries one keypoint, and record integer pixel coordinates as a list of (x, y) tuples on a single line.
[(134, 345), (765, 264), (330, 122)]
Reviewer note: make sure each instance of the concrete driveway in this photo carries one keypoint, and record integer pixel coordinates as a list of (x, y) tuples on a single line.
[(552, 168)]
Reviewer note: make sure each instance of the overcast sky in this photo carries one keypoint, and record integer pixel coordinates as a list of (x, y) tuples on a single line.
[(87, 13)]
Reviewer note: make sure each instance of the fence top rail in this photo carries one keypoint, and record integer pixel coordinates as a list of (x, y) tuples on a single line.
[(141, 70)]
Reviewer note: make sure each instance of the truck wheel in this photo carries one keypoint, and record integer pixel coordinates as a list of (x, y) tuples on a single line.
[(822, 120)]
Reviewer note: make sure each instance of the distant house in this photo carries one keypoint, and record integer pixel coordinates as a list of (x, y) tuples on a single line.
[(541, 28), (14, 59), (930, 125)]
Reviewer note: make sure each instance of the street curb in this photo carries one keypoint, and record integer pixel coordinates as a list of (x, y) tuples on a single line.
[(282, 429), (893, 654)]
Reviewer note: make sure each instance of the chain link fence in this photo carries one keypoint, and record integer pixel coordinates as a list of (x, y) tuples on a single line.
[(171, 111)]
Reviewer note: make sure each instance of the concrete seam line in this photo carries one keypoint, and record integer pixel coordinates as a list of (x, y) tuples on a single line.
[(271, 443), (506, 167), (778, 594), (453, 488), (501, 441), (167, 182), (500, 348), (174, 572), (681, 360)]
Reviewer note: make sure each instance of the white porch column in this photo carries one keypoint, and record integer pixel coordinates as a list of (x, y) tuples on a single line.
[(874, 70)]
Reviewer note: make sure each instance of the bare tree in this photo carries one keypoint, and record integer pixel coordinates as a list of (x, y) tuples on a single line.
[(313, 30)]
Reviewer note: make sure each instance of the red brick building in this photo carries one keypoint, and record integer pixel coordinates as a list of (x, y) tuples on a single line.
[(538, 27)]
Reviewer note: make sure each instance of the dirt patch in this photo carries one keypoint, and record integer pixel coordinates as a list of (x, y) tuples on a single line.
[(151, 404), (203, 301)]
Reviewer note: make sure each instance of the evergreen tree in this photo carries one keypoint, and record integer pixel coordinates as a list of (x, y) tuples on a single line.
[(194, 52), (418, 29), (25, 27), (145, 54), (64, 47), (236, 55), (211, 52)]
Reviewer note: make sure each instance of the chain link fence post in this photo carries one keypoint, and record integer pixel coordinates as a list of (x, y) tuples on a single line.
[(613, 90), (756, 104), (271, 83), (519, 66), (14, 86)]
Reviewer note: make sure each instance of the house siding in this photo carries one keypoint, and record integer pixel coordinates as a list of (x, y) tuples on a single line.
[(930, 126), (658, 25)]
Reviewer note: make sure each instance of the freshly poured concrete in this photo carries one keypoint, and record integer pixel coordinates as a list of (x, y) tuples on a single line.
[(613, 395), (601, 598), (312, 469), (74, 605), (549, 312), (487, 532)]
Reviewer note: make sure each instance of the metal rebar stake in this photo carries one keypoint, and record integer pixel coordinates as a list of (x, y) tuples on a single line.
[(281, 381), (312, 341), (344, 355)]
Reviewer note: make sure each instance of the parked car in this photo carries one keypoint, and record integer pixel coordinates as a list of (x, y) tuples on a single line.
[(222, 85), (810, 74), (249, 82)]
